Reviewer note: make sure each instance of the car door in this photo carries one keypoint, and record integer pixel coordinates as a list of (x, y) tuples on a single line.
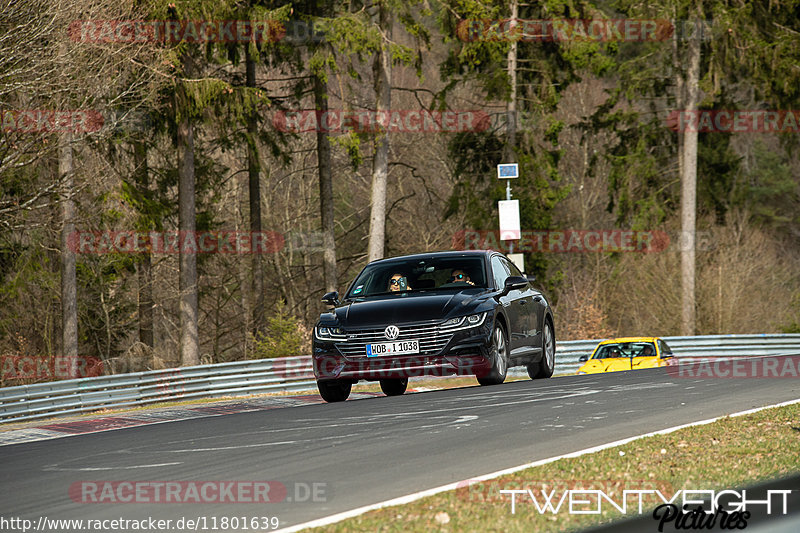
[(530, 303), (512, 307)]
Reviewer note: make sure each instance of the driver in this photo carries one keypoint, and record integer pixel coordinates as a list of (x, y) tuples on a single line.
[(398, 282), (614, 353), (647, 351), (459, 275)]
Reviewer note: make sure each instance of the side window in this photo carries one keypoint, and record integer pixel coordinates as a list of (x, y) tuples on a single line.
[(664, 348), (499, 272), (512, 268)]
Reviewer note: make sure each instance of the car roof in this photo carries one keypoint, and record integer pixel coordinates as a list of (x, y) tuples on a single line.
[(629, 339), (429, 255)]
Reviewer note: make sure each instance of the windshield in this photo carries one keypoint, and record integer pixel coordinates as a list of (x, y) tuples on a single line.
[(626, 349), (405, 276)]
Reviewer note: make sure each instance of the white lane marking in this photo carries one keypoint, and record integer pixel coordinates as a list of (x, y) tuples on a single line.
[(259, 444), (241, 446), (332, 519), (53, 468), (564, 394), (456, 419), (642, 386), (463, 419)]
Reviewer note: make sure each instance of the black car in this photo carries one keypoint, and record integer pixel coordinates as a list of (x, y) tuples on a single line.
[(463, 313)]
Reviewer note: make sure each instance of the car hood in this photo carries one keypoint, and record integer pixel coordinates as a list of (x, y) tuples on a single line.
[(420, 307), (616, 364)]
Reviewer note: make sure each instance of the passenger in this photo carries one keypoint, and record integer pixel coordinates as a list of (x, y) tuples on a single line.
[(459, 275), (398, 282)]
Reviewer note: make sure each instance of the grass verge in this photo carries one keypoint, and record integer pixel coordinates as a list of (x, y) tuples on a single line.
[(725, 454)]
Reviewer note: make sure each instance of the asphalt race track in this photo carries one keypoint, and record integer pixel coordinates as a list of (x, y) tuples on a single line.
[(363, 451)]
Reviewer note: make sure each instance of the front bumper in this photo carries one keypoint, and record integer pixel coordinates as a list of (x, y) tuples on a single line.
[(464, 352)]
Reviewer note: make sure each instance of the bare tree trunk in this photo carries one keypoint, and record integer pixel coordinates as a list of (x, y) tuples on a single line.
[(382, 74), (144, 269), (689, 192), (325, 189), (69, 283), (511, 109), (145, 310), (190, 348), (680, 89), (244, 268), (254, 176)]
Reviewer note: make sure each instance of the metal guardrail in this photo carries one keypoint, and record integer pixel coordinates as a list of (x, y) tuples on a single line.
[(74, 396), (30, 402)]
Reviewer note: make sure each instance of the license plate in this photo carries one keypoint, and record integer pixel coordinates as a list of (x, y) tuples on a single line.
[(392, 348)]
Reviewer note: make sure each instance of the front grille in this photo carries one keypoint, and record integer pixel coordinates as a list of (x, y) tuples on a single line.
[(432, 339)]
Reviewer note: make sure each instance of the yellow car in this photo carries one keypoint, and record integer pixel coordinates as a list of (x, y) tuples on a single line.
[(627, 353)]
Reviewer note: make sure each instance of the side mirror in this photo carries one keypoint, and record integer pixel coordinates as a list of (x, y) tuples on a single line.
[(583, 358), (513, 283), (331, 298), (531, 278)]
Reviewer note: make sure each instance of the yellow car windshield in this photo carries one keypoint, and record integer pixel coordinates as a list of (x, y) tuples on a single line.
[(625, 349)]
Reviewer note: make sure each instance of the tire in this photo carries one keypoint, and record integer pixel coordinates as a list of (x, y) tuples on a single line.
[(543, 369), (499, 350), (333, 390), (394, 387)]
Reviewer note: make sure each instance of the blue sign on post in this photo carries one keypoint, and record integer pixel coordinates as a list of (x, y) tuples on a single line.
[(507, 170)]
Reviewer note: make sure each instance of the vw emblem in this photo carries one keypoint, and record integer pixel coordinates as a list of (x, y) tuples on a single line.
[(391, 332)]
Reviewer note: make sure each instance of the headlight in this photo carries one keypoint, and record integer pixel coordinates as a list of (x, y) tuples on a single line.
[(462, 322), (453, 322), (328, 332), (581, 373)]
